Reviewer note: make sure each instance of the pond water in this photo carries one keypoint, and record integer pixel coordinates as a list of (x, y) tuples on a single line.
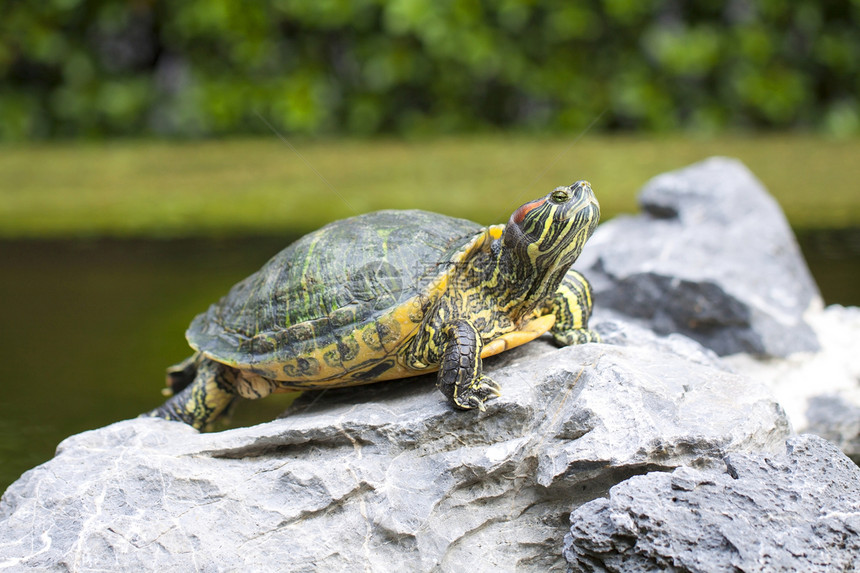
[(88, 327)]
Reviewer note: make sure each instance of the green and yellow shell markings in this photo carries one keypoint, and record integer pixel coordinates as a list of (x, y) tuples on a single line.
[(350, 359)]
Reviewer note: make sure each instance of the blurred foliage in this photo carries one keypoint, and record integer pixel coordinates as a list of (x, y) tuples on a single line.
[(206, 67)]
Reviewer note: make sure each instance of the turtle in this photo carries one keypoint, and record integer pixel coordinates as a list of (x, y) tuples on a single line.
[(392, 294)]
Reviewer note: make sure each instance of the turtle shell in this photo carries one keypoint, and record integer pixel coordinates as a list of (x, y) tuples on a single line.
[(338, 303)]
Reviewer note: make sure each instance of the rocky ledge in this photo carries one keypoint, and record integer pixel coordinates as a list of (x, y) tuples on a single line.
[(669, 442), (795, 511)]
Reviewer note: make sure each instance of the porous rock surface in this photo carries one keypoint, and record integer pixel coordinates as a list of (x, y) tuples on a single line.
[(712, 257), (388, 477), (795, 511)]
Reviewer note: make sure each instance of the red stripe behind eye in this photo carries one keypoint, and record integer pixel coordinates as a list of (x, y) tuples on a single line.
[(521, 213)]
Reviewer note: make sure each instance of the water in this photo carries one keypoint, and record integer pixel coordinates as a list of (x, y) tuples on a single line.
[(87, 328)]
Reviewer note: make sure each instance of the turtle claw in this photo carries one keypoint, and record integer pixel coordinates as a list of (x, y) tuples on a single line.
[(477, 393)]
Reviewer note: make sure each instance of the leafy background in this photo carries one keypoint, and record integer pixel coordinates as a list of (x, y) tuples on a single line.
[(206, 67)]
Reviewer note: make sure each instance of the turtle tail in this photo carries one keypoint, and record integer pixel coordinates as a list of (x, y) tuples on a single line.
[(202, 391)]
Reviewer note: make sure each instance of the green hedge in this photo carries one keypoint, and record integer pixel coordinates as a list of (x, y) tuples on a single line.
[(202, 67)]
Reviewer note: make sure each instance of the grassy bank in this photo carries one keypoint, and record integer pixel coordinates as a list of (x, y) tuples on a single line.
[(142, 188)]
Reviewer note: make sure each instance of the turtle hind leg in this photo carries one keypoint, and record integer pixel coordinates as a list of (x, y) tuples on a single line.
[(180, 376), (202, 401), (460, 377)]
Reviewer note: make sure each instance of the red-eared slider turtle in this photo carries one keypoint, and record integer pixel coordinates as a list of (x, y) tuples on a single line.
[(388, 295)]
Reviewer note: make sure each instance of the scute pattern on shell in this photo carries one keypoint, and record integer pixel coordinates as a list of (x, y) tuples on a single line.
[(329, 283)]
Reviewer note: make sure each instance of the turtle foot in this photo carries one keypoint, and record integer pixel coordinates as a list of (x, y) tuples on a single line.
[(575, 336), (476, 393)]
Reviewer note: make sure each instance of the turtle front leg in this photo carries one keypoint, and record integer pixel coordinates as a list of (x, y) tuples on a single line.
[(460, 377), (572, 308)]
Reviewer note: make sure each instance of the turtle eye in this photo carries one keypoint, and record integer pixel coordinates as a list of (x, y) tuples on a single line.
[(560, 195)]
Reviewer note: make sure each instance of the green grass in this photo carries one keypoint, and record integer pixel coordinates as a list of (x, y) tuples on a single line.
[(261, 186)]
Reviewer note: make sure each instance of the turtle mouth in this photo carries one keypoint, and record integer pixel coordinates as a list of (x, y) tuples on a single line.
[(573, 225), (544, 238), (552, 226), (582, 206), (563, 203), (582, 196)]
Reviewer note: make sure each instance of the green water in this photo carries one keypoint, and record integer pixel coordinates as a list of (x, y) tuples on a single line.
[(87, 328)]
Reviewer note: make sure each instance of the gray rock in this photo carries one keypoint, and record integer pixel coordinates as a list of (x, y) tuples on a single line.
[(615, 330), (820, 391), (387, 477), (798, 511), (711, 257), (837, 419)]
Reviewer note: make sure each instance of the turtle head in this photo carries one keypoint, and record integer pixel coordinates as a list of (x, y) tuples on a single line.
[(545, 236), (551, 231)]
